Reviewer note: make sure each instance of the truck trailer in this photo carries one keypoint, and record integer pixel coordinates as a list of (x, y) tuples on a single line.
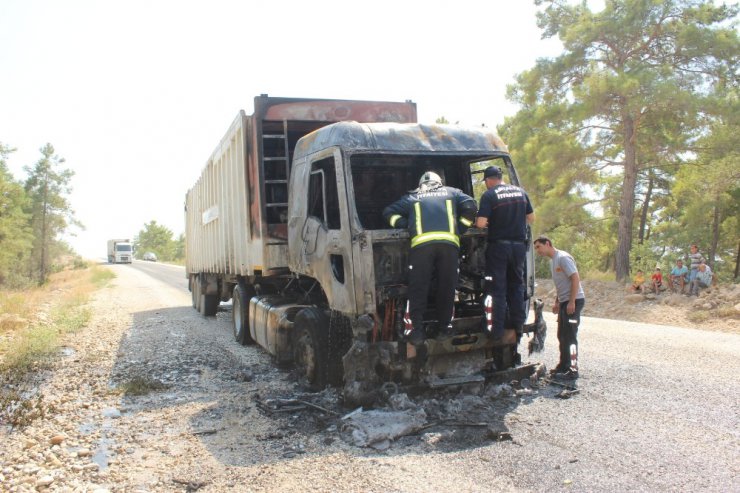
[(120, 251), (286, 221)]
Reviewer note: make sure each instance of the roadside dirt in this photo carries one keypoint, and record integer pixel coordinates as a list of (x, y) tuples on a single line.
[(715, 309), (213, 416)]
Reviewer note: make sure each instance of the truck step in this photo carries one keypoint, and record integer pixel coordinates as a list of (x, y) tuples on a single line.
[(444, 382)]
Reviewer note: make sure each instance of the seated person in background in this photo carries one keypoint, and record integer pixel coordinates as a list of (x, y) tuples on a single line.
[(703, 279), (657, 280), (638, 282), (678, 276)]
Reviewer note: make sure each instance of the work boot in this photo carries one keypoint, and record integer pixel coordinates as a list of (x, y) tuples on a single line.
[(447, 331), (568, 375), (558, 370), (417, 336)]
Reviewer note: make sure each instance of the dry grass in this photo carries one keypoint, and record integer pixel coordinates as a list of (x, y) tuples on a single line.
[(33, 325)]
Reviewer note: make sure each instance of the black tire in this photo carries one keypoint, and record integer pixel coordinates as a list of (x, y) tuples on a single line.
[(240, 314), (196, 293), (208, 304), (191, 286), (339, 342), (310, 346)]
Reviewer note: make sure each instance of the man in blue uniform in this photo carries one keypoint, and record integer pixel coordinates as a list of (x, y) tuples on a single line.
[(506, 211), (435, 215)]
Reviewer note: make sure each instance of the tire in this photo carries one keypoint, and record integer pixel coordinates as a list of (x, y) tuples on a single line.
[(196, 293), (240, 313), (310, 346), (339, 342), (209, 304), (191, 287)]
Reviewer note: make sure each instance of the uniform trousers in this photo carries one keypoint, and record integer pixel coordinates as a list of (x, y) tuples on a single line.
[(424, 260), (505, 272)]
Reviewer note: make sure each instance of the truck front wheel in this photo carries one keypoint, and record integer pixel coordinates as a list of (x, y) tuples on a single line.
[(310, 346), (240, 313)]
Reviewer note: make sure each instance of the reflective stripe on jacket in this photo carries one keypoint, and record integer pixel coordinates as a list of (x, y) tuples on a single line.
[(430, 216)]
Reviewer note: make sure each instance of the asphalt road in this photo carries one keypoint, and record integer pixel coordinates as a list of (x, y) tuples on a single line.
[(657, 410)]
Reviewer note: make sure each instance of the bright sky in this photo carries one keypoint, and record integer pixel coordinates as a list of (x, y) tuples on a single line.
[(135, 95)]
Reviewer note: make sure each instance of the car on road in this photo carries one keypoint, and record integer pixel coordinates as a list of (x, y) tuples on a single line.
[(150, 256)]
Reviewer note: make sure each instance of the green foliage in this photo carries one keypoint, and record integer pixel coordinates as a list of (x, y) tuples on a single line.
[(158, 239), (47, 187), (15, 232), (609, 122)]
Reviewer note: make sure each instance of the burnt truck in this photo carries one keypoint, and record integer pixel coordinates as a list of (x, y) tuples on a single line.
[(286, 221)]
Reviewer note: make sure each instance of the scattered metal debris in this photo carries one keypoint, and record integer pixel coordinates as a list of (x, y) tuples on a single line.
[(205, 432), (566, 393), (376, 427)]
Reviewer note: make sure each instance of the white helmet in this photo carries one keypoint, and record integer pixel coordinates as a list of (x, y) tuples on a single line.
[(430, 176)]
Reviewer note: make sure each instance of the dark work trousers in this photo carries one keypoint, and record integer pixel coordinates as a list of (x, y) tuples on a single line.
[(568, 335), (505, 268), (424, 260)]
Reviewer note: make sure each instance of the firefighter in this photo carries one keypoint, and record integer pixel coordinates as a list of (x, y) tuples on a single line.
[(506, 211), (435, 216)]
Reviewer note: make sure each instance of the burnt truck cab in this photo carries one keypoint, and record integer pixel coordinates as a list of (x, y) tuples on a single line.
[(342, 176)]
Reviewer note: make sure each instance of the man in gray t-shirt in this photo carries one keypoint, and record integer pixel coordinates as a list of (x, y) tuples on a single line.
[(569, 301)]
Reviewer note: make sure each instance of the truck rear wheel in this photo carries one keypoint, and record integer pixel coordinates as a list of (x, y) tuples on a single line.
[(195, 292), (240, 313), (310, 346), (208, 304)]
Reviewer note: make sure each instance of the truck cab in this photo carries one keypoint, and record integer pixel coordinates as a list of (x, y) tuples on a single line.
[(343, 176)]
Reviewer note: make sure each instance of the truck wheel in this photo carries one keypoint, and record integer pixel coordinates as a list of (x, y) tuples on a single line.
[(208, 304), (196, 293), (310, 346), (240, 313), (340, 340)]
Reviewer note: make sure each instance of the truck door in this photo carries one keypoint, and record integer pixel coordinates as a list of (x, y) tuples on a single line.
[(322, 227)]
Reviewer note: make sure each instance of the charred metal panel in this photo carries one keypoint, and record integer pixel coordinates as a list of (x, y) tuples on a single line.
[(334, 110), (400, 138), (271, 324), (315, 250)]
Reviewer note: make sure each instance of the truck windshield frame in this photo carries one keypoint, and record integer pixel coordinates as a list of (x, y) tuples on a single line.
[(123, 248), (378, 180)]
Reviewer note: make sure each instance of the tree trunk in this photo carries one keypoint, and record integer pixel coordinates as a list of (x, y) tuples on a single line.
[(645, 207), (715, 232), (627, 202)]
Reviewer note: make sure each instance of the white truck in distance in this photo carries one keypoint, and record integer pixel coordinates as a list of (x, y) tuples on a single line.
[(120, 251)]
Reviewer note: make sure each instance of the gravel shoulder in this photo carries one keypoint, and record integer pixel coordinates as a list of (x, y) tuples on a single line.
[(657, 409)]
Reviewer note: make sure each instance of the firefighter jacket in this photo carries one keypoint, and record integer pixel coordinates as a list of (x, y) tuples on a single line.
[(437, 215)]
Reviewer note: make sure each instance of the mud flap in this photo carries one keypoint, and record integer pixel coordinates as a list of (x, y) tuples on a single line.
[(538, 329)]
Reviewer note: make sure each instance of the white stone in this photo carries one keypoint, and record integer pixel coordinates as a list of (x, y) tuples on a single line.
[(44, 481)]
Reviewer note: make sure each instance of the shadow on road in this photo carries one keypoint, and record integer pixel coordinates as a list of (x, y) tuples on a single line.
[(190, 373)]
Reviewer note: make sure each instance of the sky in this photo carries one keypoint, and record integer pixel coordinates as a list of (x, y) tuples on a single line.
[(136, 95)]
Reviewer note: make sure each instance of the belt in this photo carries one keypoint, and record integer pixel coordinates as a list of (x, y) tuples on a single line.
[(509, 242)]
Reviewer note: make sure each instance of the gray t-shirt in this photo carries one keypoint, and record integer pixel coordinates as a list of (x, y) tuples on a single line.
[(563, 266)]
